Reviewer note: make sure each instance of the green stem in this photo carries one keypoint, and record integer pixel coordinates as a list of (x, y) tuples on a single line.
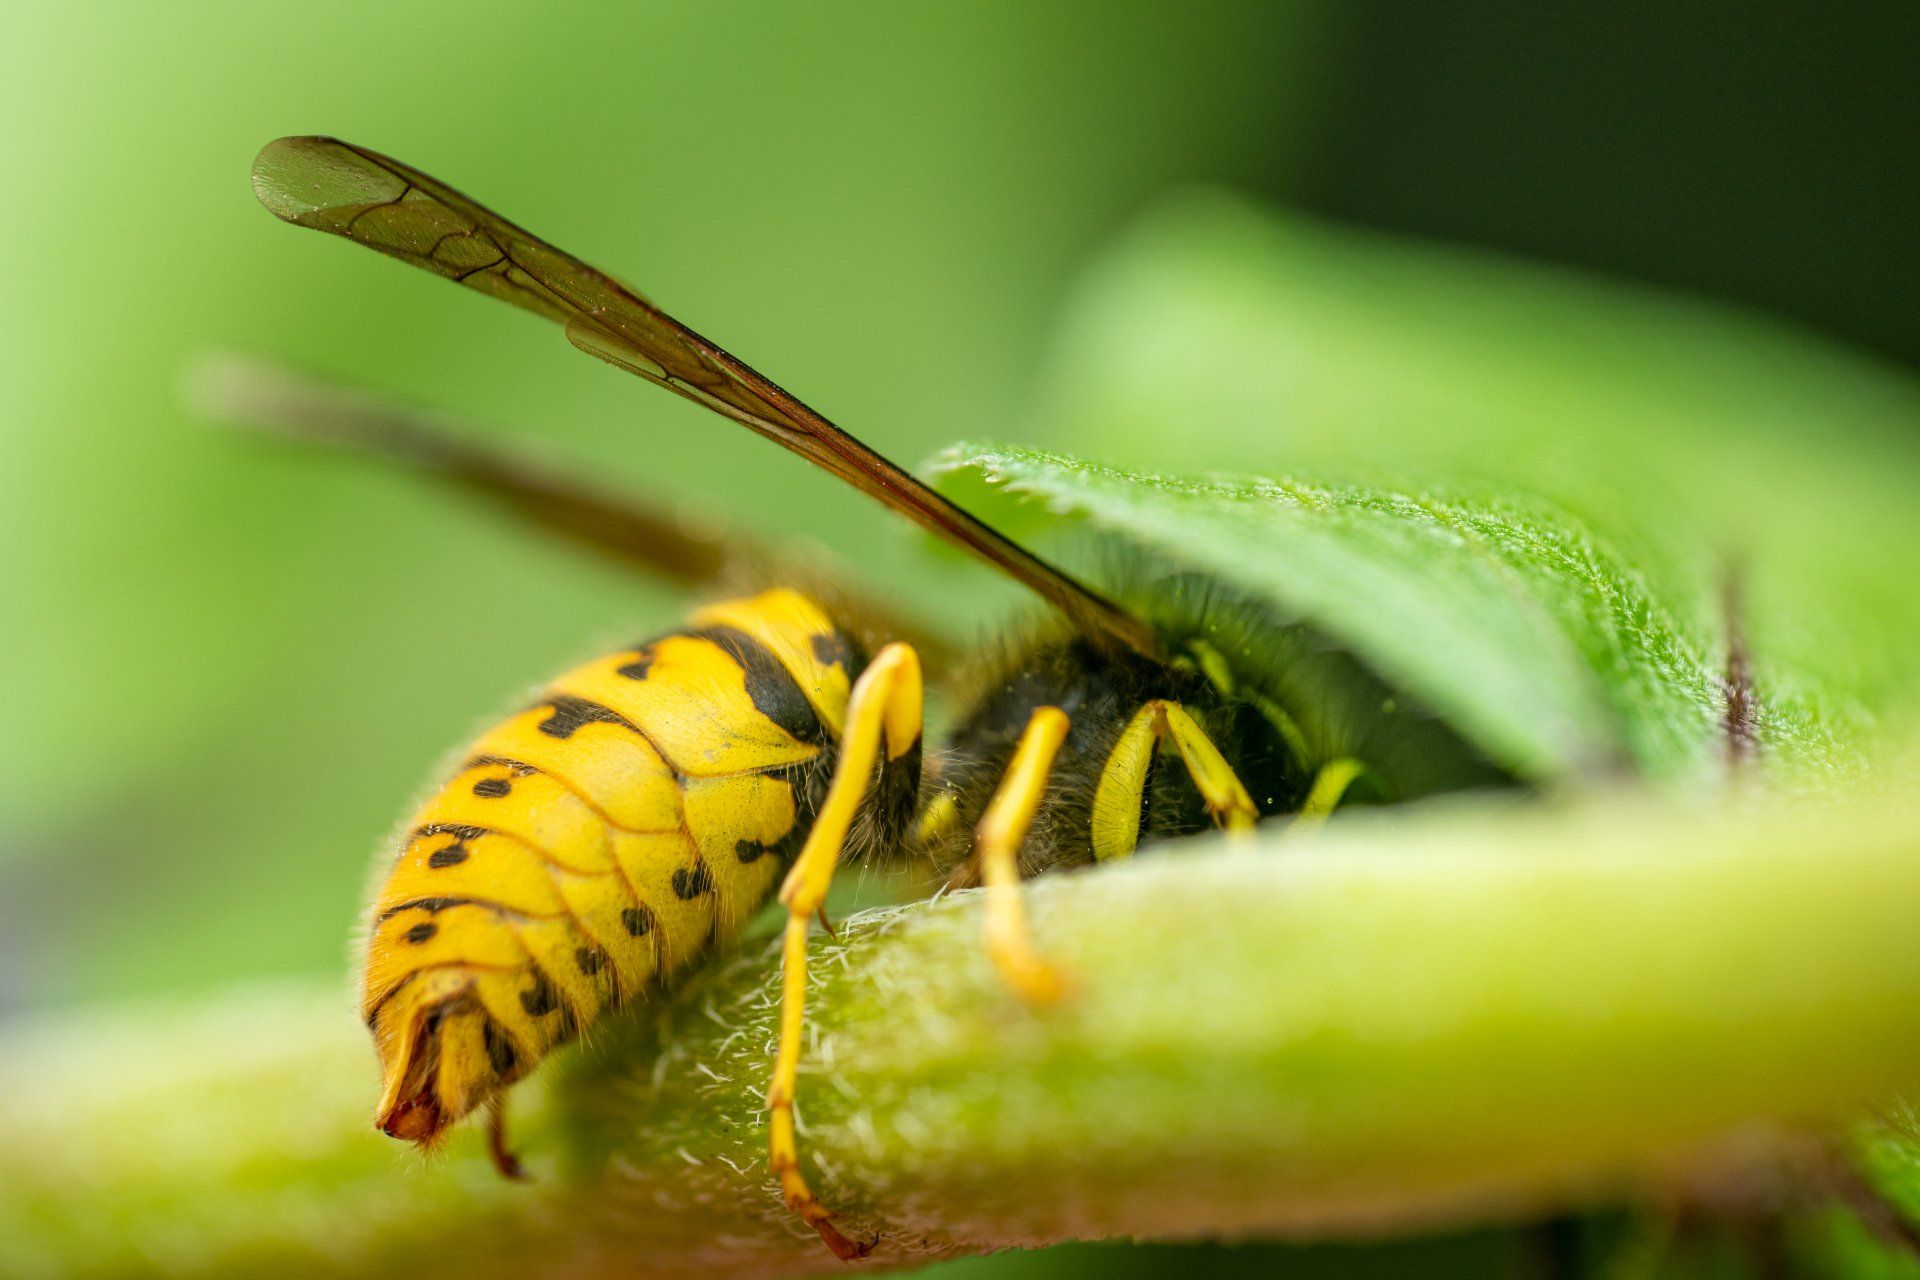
[(1467, 1017)]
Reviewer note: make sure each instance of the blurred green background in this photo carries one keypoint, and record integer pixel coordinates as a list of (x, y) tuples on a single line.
[(227, 668)]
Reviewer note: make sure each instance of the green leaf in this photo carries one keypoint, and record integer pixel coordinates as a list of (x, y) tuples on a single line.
[(1687, 436), (1543, 649)]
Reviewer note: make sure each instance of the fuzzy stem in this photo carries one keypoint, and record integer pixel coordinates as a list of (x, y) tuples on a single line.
[(1401, 1023)]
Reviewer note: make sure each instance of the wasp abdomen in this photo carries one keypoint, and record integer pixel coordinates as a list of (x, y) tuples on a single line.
[(643, 809)]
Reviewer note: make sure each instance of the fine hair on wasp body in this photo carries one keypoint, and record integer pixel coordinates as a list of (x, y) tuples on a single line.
[(650, 801)]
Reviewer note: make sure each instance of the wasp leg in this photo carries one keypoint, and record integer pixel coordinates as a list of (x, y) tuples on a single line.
[(1329, 784), (502, 1155), (1123, 782), (884, 710), (997, 843)]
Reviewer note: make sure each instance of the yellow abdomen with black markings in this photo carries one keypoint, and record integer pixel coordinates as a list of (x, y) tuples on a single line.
[(643, 810)]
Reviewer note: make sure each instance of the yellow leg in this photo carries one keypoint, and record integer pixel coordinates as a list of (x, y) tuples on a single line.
[(997, 845), (1329, 785), (1116, 800), (884, 710)]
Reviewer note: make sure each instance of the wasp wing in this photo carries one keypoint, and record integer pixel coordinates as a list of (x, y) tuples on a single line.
[(366, 197), (650, 536)]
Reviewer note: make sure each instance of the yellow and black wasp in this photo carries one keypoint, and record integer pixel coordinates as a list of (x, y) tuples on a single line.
[(650, 802)]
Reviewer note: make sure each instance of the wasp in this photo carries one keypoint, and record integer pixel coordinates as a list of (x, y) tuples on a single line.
[(647, 804)]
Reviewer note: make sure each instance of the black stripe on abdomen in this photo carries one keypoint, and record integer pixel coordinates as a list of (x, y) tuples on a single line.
[(568, 714), (775, 693)]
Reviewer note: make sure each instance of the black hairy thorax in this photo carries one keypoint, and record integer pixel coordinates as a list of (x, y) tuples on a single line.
[(1101, 691)]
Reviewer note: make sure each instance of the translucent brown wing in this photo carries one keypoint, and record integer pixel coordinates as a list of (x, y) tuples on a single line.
[(703, 554), (366, 197)]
